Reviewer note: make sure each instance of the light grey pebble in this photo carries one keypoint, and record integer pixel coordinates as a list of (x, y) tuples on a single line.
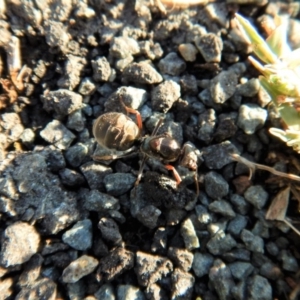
[(141, 72), (56, 34), (188, 51), (223, 208), (249, 88), (123, 46), (87, 87), (221, 279), (210, 46), (76, 121), (11, 126), (94, 174), (172, 64), (257, 196), (101, 69), (79, 236), (131, 96), (122, 63), (259, 288), (97, 201), (79, 268), (20, 242), (216, 186), (110, 230), (202, 263), (206, 124), (117, 184), (223, 86), (241, 270), (70, 177), (128, 292), (189, 235), (251, 117), (27, 137), (215, 227), (240, 204), (165, 95), (105, 292), (181, 257), (236, 225), (151, 268), (57, 134), (289, 262), (270, 271), (222, 151), (182, 284), (63, 102), (220, 243), (203, 216), (76, 154), (45, 288), (252, 242)]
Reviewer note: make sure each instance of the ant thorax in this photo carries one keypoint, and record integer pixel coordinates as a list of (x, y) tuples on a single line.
[(161, 147)]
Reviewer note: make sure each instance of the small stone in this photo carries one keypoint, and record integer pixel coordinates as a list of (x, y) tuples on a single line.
[(182, 258), (110, 230), (57, 134), (76, 121), (189, 235), (56, 34), (249, 88), (27, 137), (210, 46), (122, 47), (240, 269), (226, 128), (11, 125), (182, 284), (223, 208), (215, 185), (159, 244), (172, 64), (237, 225), (76, 154), (251, 118), (101, 69), (240, 204), (202, 263), (220, 243), (6, 288), (188, 51), (148, 216), (105, 292), (289, 262), (141, 72), (223, 86), (62, 102), (117, 184), (257, 196), (165, 95), (206, 124), (270, 271), (97, 201), (70, 177), (79, 268), (127, 291), (79, 236), (259, 288), (272, 248), (151, 268), (20, 242), (252, 242), (203, 216)]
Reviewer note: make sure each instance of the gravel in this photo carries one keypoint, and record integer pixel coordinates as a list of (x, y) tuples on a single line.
[(77, 228)]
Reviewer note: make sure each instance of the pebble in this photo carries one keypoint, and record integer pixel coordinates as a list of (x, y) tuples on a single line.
[(236, 225), (259, 288), (76, 121), (79, 268), (79, 236), (182, 284), (76, 154), (148, 216), (252, 242), (101, 69), (270, 271), (226, 128), (251, 117), (63, 102), (70, 177), (172, 64), (97, 201), (188, 51), (250, 88), (128, 292), (110, 231), (223, 208), (215, 185), (206, 124), (289, 262), (272, 248), (151, 268), (141, 72), (203, 216), (56, 35), (210, 46), (122, 47), (223, 86), (202, 263), (189, 235), (11, 126), (240, 204), (241, 269), (105, 292), (20, 242), (27, 137), (181, 257), (6, 288), (220, 243), (57, 134), (165, 95), (257, 196), (117, 184)]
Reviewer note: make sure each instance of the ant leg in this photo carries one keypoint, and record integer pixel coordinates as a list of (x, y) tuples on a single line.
[(137, 115), (154, 132), (140, 173), (197, 183), (175, 173), (114, 156)]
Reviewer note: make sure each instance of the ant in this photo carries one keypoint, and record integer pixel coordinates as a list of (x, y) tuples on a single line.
[(116, 131)]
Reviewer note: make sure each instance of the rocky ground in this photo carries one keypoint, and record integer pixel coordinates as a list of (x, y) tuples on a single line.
[(75, 228)]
